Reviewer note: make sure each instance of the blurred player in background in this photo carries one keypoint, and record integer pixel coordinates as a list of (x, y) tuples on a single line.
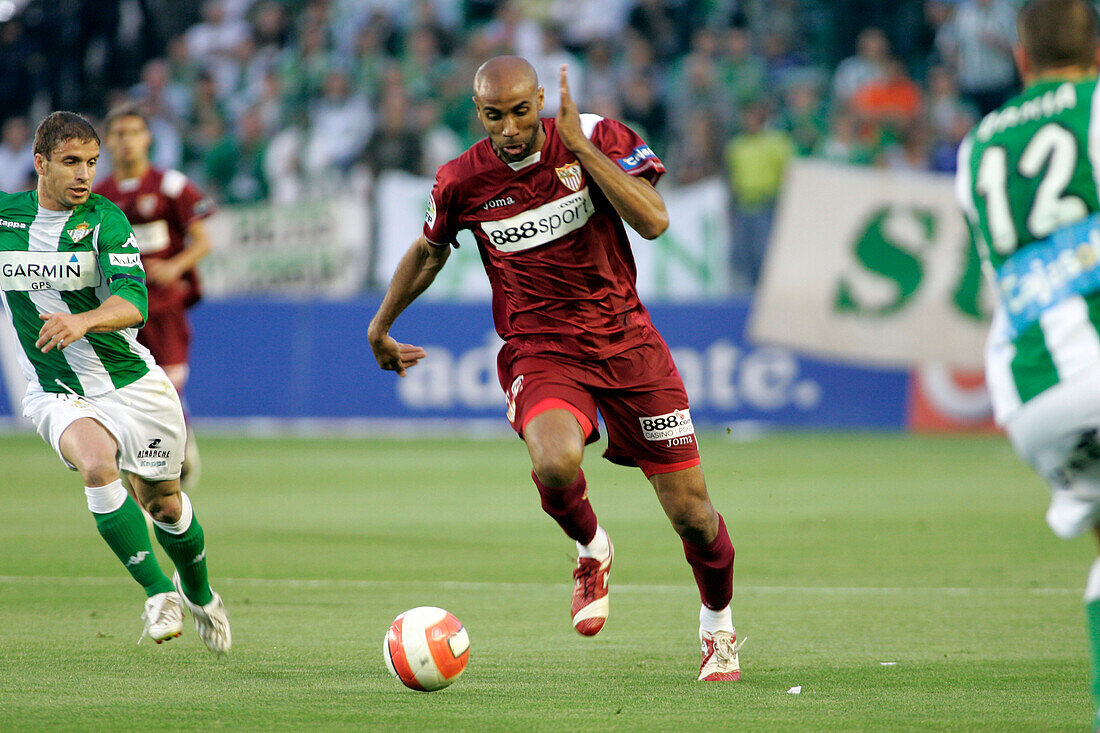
[(546, 200), (1027, 183), (74, 291), (167, 211)]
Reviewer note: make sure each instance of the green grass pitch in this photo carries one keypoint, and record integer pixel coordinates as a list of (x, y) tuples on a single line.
[(905, 583)]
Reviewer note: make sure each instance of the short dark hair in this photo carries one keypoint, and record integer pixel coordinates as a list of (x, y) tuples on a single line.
[(126, 109), (1058, 33), (59, 127)]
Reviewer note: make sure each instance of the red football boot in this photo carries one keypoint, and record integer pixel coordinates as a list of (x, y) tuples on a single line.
[(590, 602), (720, 663)]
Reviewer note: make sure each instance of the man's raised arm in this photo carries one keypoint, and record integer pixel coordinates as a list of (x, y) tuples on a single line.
[(635, 199)]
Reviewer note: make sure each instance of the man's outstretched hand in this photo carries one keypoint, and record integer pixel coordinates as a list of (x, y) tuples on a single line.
[(394, 356)]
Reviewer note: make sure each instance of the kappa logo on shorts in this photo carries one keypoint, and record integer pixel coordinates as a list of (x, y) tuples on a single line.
[(675, 427)]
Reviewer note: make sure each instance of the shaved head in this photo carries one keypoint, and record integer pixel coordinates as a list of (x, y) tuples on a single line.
[(508, 99), (505, 73)]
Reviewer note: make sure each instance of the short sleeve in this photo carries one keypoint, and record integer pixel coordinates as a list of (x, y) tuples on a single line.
[(120, 260), (440, 220), (626, 148)]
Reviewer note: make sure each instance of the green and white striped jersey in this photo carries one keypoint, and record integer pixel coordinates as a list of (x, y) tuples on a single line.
[(1027, 182), (71, 261)]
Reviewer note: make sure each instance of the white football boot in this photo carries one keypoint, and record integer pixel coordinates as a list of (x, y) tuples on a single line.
[(211, 620), (163, 617)]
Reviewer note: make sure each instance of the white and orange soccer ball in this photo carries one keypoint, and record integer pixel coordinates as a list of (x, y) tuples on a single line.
[(426, 648)]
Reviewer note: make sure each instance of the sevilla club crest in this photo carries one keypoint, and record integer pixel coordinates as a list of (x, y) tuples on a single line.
[(571, 175)]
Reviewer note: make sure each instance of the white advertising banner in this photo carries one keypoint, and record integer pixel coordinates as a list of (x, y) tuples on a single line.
[(401, 201), (872, 266), (319, 248), (691, 260)]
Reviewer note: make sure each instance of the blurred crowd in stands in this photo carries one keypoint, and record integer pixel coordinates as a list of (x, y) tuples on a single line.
[(280, 99)]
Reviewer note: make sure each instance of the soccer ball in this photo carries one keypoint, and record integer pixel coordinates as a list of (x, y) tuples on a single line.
[(426, 648)]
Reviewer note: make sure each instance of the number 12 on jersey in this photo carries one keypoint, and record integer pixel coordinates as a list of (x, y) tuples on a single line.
[(1051, 156)]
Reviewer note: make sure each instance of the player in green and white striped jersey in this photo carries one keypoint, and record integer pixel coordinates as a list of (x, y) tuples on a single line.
[(74, 292), (1029, 184)]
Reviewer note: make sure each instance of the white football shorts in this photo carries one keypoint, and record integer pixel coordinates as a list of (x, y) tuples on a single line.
[(145, 418), (1058, 433)]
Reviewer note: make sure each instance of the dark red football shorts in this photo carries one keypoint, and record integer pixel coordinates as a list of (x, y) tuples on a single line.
[(167, 334), (639, 393)]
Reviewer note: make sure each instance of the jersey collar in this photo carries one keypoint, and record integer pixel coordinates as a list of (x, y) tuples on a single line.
[(530, 160)]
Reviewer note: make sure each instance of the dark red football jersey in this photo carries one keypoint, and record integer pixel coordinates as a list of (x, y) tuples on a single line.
[(554, 248), (160, 206)]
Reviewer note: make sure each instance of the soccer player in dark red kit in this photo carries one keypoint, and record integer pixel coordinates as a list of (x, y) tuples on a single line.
[(166, 211), (546, 200)]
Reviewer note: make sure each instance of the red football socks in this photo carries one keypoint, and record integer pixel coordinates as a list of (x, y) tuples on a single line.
[(712, 565), (570, 508)]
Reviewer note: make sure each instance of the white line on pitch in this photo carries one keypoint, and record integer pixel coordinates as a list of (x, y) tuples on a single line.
[(618, 587)]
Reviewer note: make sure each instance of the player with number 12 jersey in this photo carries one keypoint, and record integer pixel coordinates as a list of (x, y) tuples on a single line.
[(1027, 182), (1028, 187)]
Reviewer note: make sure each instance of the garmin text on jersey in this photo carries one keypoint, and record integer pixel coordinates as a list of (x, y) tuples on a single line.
[(48, 270)]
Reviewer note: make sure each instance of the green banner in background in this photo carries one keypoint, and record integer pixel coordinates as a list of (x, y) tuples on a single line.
[(872, 266)]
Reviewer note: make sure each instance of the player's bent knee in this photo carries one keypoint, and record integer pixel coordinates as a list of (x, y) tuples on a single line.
[(90, 448), (165, 509), (556, 464), (697, 524), (557, 471), (96, 470), (161, 499)]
